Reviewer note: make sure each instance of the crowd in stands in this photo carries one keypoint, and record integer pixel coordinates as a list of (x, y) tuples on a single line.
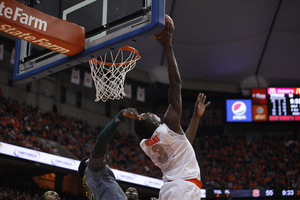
[(265, 162), (22, 124), (233, 162)]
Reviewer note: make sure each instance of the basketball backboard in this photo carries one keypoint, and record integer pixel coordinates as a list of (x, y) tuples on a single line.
[(109, 25)]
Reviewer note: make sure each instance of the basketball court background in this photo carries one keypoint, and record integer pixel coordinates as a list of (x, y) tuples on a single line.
[(221, 49)]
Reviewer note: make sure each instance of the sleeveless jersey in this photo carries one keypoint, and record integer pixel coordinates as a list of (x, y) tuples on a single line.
[(172, 153)]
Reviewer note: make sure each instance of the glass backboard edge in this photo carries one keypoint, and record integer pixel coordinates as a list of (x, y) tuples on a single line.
[(156, 25)]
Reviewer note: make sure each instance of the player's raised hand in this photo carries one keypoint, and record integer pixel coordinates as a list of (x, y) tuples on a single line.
[(130, 113), (165, 36), (200, 105)]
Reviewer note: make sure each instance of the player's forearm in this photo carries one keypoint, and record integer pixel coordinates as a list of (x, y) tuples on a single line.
[(105, 136), (174, 79), (173, 71), (192, 128)]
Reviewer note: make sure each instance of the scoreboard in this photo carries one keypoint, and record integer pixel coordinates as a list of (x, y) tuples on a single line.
[(249, 193), (283, 104), (266, 104)]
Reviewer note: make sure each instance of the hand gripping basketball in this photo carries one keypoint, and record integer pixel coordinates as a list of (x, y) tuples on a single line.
[(169, 27)]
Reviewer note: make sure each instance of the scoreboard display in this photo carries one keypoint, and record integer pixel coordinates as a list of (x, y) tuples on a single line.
[(266, 104), (283, 104), (249, 193)]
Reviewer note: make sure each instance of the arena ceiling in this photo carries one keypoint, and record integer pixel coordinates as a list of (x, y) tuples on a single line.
[(230, 44), (249, 43)]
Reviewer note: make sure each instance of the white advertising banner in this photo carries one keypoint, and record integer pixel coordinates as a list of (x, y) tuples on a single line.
[(67, 163)]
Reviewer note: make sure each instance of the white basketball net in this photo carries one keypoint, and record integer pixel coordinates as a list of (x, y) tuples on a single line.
[(109, 70)]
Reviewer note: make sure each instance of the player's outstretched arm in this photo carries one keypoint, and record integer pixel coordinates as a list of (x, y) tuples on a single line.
[(173, 114), (108, 132), (199, 110)]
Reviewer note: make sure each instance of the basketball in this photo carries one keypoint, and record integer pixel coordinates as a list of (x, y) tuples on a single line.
[(167, 19)]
